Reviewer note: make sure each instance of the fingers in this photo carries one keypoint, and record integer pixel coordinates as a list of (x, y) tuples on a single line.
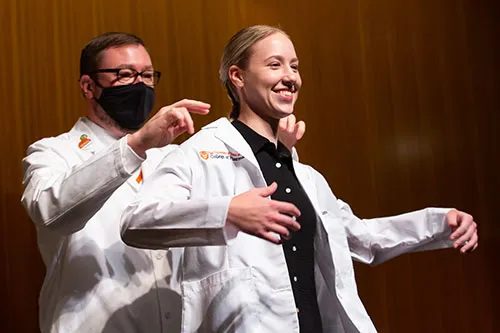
[(268, 191), (300, 128), (283, 124), (286, 221), (459, 220), (471, 243), (276, 232), (466, 236), (291, 131), (272, 237), (287, 124), (176, 118), (286, 208), (192, 106), (281, 231), (290, 123), (180, 119), (189, 121), (451, 218)]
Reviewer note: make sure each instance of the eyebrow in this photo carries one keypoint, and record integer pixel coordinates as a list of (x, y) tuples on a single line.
[(132, 66), (281, 58)]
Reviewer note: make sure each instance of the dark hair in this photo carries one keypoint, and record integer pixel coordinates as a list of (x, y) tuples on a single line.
[(92, 52)]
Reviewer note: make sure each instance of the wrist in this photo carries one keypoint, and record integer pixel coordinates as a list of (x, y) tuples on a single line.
[(134, 142), (231, 216)]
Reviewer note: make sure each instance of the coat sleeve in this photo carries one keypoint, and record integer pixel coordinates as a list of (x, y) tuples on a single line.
[(373, 241), (63, 196), (164, 215)]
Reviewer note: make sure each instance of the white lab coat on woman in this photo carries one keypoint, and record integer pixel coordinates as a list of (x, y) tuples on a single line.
[(76, 188), (232, 281)]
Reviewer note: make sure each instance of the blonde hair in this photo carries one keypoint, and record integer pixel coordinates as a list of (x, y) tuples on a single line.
[(237, 52)]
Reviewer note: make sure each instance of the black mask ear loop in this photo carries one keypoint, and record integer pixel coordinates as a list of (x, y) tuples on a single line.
[(93, 77)]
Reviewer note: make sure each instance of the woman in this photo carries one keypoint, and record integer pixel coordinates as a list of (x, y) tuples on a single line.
[(251, 264)]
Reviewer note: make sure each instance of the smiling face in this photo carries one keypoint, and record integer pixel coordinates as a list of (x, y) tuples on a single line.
[(270, 83)]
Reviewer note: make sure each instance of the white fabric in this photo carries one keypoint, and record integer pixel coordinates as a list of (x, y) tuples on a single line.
[(232, 281), (75, 192)]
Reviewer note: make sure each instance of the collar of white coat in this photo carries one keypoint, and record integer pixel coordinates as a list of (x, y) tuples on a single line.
[(228, 134), (99, 137)]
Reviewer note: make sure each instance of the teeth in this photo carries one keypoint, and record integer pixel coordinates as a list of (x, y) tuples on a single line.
[(286, 93)]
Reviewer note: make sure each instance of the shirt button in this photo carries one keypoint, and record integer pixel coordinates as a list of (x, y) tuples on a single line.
[(278, 165), (295, 279), (294, 248), (288, 190)]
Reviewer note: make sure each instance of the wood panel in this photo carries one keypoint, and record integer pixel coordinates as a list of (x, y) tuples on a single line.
[(400, 99)]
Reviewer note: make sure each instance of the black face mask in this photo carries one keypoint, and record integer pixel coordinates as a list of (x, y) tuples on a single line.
[(128, 105)]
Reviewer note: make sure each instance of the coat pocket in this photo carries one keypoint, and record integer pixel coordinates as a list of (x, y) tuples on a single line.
[(225, 301)]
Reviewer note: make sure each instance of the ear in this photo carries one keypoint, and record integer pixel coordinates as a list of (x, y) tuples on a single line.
[(236, 76), (88, 86)]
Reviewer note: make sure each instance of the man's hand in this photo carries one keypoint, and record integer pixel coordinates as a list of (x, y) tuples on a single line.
[(252, 212), (166, 125), (464, 228), (289, 132)]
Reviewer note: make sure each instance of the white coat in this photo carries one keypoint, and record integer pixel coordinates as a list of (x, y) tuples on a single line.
[(232, 281), (76, 188)]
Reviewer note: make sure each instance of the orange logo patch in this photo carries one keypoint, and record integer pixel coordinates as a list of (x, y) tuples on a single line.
[(220, 155), (84, 140), (139, 178), (204, 155)]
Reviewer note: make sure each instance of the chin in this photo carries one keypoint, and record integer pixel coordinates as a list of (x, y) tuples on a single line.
[(284, 113)]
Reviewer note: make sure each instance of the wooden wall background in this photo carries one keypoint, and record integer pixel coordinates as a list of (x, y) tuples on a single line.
[(401, 100)]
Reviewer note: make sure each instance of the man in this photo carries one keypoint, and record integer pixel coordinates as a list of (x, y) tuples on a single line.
[(78, 183)]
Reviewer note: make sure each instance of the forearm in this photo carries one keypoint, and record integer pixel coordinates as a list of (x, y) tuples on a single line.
[(159, 224), (64, 200), (388, 237), (373, 241)]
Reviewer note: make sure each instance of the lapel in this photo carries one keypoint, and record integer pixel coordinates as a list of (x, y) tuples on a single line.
[(85, 138), (230, 136), (307, 184)]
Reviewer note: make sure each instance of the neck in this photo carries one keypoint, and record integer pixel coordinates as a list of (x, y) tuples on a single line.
[(97, 115), (267, 127)]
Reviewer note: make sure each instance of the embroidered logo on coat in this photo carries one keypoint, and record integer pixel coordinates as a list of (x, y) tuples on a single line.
[(139, 177), (220, 155), (84, 140), (204, 155)]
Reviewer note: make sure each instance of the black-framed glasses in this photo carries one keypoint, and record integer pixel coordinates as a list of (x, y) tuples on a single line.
[(150, 77)]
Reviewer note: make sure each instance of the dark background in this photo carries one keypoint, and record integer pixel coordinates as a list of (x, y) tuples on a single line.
[(401, 104)]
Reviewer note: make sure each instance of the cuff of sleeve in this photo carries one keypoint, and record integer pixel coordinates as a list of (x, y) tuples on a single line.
[(220, 208), (131, 161), (441, 229), (230, 232)]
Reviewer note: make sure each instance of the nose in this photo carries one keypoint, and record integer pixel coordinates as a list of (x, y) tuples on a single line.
[(290, 79), (138, 78), (291, 76)]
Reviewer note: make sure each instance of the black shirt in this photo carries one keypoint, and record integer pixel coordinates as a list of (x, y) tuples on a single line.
[(276, 166)]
